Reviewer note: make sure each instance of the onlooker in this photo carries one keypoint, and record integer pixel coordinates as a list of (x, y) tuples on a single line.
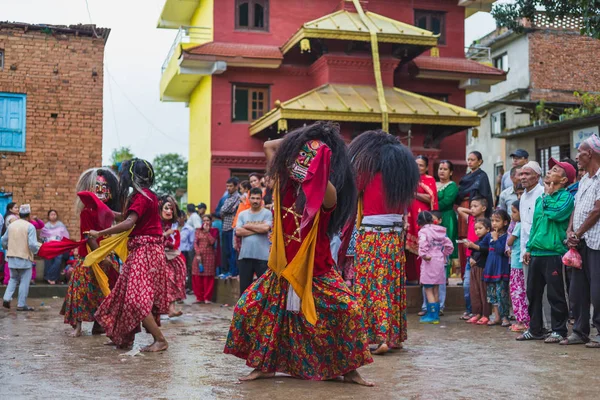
[(194, 220), (20, 241), (201, 209), (53, 231), (530, 177), (519, 158), (544, 251), (186, 247), (575, 185), (253, 226), (509, 195), (255, 180), (518, 295), (228, 211), (244, 205), (584, 233), (206, 243), (11, 214)]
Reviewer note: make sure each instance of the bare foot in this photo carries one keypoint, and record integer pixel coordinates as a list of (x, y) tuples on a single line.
[(257, 374), (354, 377), (175, 314), (110, 343), (207, 302), (77, 331), (155, 347), (381, 350)]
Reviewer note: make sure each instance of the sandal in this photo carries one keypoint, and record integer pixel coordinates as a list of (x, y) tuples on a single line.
[(573, 339), (505, 323), (593, 345), (528, 336), (515, 328), (466, 316), (483, 321), (421, 313), (473, 320), (554, 338), (493, 323)]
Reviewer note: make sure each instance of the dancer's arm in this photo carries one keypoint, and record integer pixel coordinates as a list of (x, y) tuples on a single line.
[(270, 147), (124, 226), (330, 199)]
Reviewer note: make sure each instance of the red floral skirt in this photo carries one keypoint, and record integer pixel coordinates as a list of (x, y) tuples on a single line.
[(140, 290), (272, 339), (176, 274), (83, 296)]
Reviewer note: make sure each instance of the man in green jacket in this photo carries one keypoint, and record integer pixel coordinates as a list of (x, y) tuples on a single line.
[(544, 252)]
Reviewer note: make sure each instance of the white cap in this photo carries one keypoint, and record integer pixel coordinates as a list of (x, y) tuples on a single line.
[(534, 166), (25, 209)]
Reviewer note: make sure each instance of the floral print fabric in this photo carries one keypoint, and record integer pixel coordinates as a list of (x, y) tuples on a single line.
[(518, 295), (380, 286)]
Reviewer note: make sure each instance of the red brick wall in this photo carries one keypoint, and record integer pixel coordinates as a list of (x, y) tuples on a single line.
[(58, 149), (561, 62)]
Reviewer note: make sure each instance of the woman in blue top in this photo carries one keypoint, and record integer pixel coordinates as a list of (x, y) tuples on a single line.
[(497, 271)]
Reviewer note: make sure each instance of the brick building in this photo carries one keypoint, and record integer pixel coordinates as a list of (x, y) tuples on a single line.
[(548, 62), (51, 83)]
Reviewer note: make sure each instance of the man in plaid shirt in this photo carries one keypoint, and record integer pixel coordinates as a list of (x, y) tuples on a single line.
[(584, 234), (228, 211)]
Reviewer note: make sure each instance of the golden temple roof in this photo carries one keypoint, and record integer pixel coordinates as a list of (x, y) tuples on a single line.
[(356, 103), (345, 25)]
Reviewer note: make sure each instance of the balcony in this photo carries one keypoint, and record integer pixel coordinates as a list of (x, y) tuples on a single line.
[(176, 13), (474, 6), (179, 79), (479, 53)]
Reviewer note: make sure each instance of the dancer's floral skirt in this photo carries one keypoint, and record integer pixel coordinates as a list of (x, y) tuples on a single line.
[(176, 274), (379, 284), (83, 295), (272, 339), (140, 290)]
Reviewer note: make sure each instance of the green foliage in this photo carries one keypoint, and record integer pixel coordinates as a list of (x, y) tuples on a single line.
[(121, 154), (541, 112), (510, 15), (590, 105), (170, 174)]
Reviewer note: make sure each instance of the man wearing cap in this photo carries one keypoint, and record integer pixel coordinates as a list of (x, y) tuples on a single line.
[(519, 158), (509, 195), (530, 177), (584, 234), (544, 251), (20, 243)]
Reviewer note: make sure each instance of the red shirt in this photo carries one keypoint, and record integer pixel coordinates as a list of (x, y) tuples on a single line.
[(471, 235), (146, 208), (374, 199), (292, 237)]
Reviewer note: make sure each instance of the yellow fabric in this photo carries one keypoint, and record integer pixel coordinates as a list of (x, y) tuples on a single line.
[(298, 272), (116, 243)]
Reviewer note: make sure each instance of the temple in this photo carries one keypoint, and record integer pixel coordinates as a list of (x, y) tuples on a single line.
[(251, 70)]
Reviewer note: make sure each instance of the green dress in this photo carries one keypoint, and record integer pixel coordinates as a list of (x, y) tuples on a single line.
[(446, 196)]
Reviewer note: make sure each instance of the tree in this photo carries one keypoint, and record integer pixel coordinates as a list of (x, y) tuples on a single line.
[(170, 174), (511, 15), (121, 154)]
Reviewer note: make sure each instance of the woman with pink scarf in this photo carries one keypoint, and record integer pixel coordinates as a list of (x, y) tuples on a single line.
[(54, 230)]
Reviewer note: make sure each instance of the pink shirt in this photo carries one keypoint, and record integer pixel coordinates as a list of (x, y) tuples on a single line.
[(471, 235)]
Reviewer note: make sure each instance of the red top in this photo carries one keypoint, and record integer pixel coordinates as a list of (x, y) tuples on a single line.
[(374, 199), (173, 240), (471, 235), (146, 208), (293, 239)]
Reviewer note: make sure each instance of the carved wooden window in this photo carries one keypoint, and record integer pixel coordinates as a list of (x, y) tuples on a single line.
[(252, 15), (249, 103), (434, 21)]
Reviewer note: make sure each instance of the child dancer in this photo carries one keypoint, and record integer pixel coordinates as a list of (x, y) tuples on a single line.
[(176, 270), (434, 247), (477, 209), (140, 294), (518, 294), (497, 271), (477, 261)]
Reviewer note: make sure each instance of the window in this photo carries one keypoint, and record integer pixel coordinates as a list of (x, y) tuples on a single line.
[(12, 122), (498, 122), (557, 147), (252, 15), (501, 62), (249, 103), (434, 21)]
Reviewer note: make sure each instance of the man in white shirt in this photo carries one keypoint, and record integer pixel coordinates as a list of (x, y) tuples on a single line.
[(509, 195), (194, 220), (530, 177)]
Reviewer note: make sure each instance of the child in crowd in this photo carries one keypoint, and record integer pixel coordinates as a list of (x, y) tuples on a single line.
[(497, 271), (434, 247), (476, 210), (518, 295), (437, 220), (477, 261)]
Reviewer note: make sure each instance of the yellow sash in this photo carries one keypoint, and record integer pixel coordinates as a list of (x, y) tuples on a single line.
[(359, 212), (298, 272), (116, 243)]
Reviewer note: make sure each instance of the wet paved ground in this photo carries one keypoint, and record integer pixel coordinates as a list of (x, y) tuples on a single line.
[(39, 360)]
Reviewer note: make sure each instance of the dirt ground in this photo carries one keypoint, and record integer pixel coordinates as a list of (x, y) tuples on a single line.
[(39, 360)]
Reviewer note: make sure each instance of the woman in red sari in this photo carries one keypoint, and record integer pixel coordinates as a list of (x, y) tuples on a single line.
[(426, 199)]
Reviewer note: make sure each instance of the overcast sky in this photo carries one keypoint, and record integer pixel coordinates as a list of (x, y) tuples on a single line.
[(134, 54)]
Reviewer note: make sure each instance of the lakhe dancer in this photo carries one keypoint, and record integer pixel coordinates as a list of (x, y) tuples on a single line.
[(300, 318)]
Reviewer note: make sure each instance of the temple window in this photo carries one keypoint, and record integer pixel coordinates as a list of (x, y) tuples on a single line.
[(252, 15), (434, 21), (249, 103)]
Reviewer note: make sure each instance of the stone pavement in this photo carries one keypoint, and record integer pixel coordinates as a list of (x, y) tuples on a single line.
[(39, 360)]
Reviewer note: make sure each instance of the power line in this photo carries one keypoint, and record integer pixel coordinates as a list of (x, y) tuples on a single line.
[(112, 105)]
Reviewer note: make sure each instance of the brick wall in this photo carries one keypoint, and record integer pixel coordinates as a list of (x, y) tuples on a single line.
[(562, 62), (64, 117)]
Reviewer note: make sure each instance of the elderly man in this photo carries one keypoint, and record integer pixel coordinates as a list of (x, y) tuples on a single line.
[(544, 250), (20, 243), (530, 177), (519, 158), (584, 233), (509, 195)]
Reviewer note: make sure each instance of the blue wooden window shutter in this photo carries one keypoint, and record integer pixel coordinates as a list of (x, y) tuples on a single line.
[(13, 112)]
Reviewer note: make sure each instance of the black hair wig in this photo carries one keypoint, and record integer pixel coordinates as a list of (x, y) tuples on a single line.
[(341, 171), (377, 151), (168, 199), (137, 174)]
